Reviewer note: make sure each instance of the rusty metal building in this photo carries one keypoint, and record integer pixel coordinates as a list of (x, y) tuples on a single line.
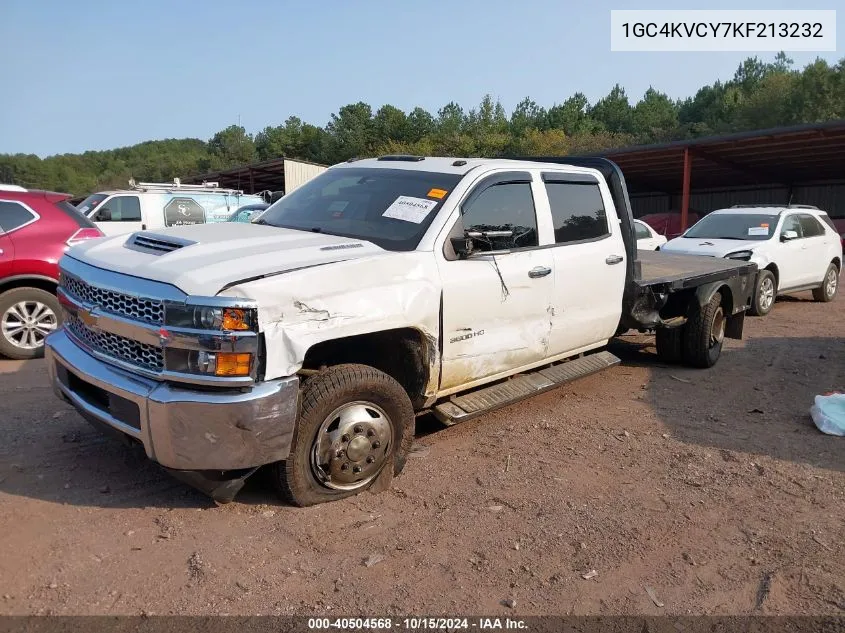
[(277, 174)]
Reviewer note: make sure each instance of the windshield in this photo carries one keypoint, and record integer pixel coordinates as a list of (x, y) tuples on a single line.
[(734, 226), (389, 207), (90, 203)]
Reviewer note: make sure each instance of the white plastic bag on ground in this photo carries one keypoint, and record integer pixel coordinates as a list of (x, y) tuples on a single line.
[(828, 413)]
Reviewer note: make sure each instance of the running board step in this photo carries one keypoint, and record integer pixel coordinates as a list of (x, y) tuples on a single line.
[(521, 386)]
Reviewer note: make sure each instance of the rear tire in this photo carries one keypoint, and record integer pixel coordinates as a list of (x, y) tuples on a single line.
[(27, 315), (353, 422), (669, 342), (704, 334), (765, 292), (830, 285)]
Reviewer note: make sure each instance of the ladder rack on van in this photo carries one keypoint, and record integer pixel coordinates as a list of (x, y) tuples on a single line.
[(177, 185)]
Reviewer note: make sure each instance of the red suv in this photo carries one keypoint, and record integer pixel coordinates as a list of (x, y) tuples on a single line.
[(36, 228)]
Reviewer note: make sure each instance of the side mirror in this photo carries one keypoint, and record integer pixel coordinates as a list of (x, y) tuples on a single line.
[(462, 246), (788, 235), (103, 215)]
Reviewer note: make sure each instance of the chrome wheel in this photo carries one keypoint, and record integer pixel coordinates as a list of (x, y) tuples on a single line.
[(351, 446), (766, 294), (27, 323), (830, 282), (717, 332)]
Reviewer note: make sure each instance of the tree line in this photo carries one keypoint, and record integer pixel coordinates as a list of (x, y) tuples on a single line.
[(760, 95)]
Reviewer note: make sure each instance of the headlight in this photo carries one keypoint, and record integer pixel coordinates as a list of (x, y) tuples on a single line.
[(213, 318), (743, 255)]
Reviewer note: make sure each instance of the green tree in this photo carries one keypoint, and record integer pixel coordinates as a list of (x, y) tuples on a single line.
[(613, 111), (655, 117)]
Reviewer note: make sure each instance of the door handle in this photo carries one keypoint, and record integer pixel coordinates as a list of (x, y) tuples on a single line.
[(539, 271), (143, 227), (613, 259)]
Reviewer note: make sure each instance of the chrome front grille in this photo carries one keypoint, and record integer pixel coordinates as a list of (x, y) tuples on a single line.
[(146, 310), (117, 347)]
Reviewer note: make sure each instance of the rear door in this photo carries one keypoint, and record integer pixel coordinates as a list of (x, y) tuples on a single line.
[(495, 303), (589, 261), (119, 214), (7, 255), (817, 249), (13, 216)]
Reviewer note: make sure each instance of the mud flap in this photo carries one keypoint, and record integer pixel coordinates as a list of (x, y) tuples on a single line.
[(222, 486)]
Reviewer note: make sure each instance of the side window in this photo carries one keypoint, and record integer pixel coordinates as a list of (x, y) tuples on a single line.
[(577, 211), (14, 216), (120, 209), (508, 206), (641, 231), (791, 223), (810, 225)]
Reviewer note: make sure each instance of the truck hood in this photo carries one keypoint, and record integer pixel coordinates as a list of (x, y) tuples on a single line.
[(204, 259), (708, 247)]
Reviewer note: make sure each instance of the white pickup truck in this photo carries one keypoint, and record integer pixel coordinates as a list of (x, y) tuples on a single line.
[(308, 340)]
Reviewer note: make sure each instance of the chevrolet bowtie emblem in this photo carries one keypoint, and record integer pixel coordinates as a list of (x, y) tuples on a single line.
[(87, 317)]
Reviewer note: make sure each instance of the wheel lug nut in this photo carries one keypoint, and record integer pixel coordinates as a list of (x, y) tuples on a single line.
[(344, 467), (344, 438), (356, 469), (370, 433), (358, 429), (339, 454), (370, 459), (376, 444)]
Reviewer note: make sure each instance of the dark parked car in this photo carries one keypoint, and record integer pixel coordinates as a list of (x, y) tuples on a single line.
[(247, 212), (36, 228)]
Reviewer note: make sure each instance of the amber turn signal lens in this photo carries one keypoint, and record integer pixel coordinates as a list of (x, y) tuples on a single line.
[(234, 319), (233, 364)]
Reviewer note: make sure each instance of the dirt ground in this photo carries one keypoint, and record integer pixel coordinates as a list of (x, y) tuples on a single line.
[(710, 489)]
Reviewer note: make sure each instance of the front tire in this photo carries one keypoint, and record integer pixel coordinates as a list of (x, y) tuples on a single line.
[(353, 422), (704, 334), (765, 292), (27, 316), (830, 285)]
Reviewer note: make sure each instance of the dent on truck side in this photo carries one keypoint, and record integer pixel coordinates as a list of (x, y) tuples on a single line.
[(302, 308)]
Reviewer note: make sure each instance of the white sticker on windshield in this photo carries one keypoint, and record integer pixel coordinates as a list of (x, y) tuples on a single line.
[(410, 209), (84, 209), (758, 230)]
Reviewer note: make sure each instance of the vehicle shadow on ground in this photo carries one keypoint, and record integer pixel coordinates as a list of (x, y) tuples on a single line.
[(755, 400)]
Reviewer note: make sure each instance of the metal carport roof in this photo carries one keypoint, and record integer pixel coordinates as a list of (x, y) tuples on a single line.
[(786, 156)]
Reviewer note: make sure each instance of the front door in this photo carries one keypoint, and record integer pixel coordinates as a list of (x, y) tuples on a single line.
[(791, 257), (589, 262), (495, 303)]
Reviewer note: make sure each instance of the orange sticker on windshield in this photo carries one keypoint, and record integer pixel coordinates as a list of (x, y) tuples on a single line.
[(765, 226), (437, 193)]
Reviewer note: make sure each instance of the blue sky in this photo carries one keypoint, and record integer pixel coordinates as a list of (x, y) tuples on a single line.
[(97, 74)]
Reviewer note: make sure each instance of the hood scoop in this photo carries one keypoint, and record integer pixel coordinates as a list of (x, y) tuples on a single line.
[(156, 244)]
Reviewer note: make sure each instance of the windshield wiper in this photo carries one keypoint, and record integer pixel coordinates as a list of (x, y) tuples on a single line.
[(260, 221)]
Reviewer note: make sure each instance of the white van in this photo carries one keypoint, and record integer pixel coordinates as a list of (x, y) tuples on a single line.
[(147, 205)]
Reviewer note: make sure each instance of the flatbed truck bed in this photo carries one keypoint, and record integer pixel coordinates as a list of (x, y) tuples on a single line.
[(686, 271)]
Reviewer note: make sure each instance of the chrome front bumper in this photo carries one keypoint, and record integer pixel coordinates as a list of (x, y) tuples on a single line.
[(180, 428)]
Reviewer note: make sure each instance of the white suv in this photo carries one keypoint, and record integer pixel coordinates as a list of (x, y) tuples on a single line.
[(795, 247)]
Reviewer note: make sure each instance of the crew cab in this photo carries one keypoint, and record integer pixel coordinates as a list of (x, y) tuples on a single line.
[(309, 339), (795, 247)]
